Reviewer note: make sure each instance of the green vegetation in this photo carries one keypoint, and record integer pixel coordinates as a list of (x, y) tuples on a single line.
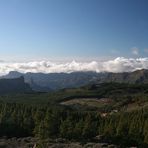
[(42, 115), (125, 129)]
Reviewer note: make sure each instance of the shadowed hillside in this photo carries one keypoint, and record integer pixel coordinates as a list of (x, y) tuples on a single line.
[(11, 86)]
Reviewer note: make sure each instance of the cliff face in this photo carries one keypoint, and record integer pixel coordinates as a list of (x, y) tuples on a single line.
[(17, 85)]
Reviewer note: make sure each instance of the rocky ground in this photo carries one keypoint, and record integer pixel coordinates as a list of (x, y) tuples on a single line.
[(30, 142)]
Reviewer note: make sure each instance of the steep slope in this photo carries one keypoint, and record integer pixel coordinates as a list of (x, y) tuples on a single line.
[(9, 86)]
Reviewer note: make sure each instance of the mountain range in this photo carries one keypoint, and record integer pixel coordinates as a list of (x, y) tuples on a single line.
[(55, 81)]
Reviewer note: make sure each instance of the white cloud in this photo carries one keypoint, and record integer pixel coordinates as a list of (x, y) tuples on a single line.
[(135, 51), (119, 64)]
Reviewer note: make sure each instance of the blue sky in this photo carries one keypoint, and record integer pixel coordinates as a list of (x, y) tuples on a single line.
[(73, 29)]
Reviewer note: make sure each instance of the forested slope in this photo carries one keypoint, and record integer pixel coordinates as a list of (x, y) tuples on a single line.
[(42, 115)]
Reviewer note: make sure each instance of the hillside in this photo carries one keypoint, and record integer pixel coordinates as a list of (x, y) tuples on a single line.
[(103, 97), (13, 86), (139, 76), (106, 114)]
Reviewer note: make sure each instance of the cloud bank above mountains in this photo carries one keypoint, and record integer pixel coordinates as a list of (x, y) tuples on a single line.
[(119, 64)]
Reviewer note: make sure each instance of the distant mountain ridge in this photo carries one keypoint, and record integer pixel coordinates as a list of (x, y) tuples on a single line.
[(139, 76), (55, 81), (16, 85)]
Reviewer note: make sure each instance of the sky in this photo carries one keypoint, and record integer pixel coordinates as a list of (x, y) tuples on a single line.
[(74, 31)]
